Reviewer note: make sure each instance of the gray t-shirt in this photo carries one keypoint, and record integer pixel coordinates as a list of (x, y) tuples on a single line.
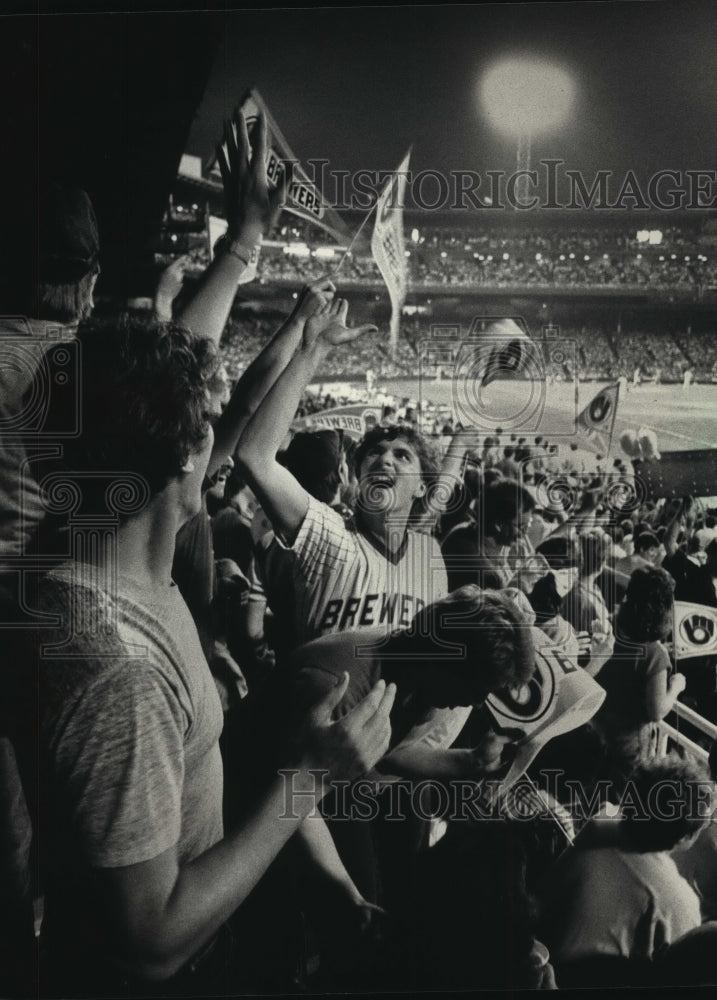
[(130, 723)]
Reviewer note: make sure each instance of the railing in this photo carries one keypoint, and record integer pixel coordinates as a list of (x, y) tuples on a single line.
[(668, 734)]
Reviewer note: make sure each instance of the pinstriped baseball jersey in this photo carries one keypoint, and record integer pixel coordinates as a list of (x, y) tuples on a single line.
[(343, 580)]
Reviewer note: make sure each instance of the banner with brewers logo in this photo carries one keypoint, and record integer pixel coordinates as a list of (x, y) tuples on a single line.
[(695, 630), (354, 420), (303, 197), (596, 422), (559, 697), (387, 243)]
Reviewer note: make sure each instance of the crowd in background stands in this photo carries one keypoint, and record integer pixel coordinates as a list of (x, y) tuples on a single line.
[(529, 257), (593, 352), (429, 267), (190, 739)]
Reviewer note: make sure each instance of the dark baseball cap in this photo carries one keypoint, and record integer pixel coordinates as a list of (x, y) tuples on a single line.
[(69, 242), (313, 454)]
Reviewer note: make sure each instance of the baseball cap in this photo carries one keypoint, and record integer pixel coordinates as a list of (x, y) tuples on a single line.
[(69, 240)]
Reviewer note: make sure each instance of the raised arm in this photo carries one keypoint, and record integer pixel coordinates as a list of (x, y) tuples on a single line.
[(674, 526), (282, 498), (250, 210), (261, 374), (451, 474), (168, 288)]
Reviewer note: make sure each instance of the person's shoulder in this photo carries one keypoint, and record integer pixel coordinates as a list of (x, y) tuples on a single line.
[(423, 539), (459, 536), (656, 656), (319, 520)]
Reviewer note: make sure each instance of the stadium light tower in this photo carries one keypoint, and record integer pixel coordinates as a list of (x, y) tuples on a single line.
[(522, 97)]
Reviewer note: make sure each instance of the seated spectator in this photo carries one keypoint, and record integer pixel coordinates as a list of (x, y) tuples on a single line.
[(469, 923), (640, 686), (696, 584), (618, 891), (477, 552), (585, 607), (690, 960), (231, 526), (549, 591), (697, 861), (647, 552)]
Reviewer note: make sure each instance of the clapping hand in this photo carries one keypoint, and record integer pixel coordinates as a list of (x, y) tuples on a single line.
[(351, 746)]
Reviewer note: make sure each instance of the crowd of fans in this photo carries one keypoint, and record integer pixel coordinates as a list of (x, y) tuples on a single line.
[(530, 257), (256, 684), (428, 268), (592, 353)]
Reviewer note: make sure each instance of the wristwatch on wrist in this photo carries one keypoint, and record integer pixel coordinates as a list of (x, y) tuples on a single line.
[(247, 253)]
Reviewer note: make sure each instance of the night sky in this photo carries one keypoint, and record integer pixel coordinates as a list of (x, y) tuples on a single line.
[(358, 86)]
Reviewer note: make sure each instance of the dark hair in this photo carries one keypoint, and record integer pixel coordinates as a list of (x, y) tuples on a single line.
[(314, 459), (491, 476), (594, 550), (424, 449), (615, 533), (143, 391), (67, 302), (499, 648), (646, 540), (473, 480), (545, 599), (645, 612), (504, 500), (651, 821), (693, 545), (560, 552), (235, 482)]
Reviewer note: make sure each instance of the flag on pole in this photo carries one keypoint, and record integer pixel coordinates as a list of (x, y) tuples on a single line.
[(387, 243), (505, 351), (695, 630), (303, 197), (597, 420)]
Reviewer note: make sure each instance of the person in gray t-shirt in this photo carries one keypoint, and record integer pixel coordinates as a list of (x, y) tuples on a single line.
[(140, 875)]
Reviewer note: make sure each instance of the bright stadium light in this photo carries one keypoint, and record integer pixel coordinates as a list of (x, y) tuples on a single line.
[(522, 95)]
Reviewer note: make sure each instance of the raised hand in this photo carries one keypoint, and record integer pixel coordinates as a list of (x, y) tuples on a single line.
[(352, 745), (169, 286), (251, 208), (329, 325), (313, 296)]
